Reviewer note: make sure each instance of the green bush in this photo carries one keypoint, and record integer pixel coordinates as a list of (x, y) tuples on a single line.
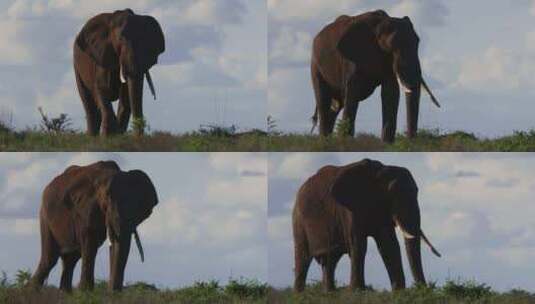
[(467, 290), (244, 288)]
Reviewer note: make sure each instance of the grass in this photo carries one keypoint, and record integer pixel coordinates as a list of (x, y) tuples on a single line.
[(54, 135), (236, 291), (427, 140), (252, 291), (205, 139), (452, 292)]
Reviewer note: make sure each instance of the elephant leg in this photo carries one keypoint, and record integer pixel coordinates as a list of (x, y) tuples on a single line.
[(89, 253), (326, 115), (388, 245), (351, 105), (350, 113), (109, 121), (69, 262), (123, 112), (302, 263), (390, 105), (328, 267), (92, 113), (358, 257), (49, 257)]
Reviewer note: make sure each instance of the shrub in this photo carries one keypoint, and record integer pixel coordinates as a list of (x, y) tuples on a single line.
[(343, 128), (60, 124), (467, 290), (245, 288), (218, 131), (272, 126), (22, 277), (139, 125)]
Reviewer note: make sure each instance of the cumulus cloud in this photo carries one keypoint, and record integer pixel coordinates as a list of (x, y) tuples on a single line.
[(462, 173), (496, 69), (238, 163)]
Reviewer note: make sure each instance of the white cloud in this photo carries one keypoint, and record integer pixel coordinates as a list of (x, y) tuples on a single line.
[(302, 165), (280, 228), (64, 99), (495, 69), (514, 256), (291, 47), (19, 227), (301, 9), (12, 49), (171, 218), (238, 193), (238, 163), (530, 41)]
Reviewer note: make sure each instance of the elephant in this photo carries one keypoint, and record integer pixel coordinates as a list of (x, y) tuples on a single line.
[(79, 207), (339, 207), (112, 54), (354, 55)]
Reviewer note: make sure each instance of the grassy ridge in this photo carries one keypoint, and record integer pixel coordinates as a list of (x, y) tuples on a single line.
[(427, 140), (236, 291), (157, 141), (252, 291), (227, 139), (453, 292)]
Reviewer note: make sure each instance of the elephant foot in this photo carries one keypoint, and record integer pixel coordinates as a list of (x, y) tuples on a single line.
[(356, 287), (299, 289)]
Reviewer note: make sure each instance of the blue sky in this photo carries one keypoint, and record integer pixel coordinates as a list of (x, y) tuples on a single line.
[(214, 70), (477, 209), (210, 222), (478, 57)]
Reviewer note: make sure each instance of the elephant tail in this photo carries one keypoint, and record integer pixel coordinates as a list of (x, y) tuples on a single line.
[(314, 119)]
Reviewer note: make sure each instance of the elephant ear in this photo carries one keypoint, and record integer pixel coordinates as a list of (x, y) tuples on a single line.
[(148, 32), (397, 179), (354, 182), (358, 43), (134, 193), (153, 35), (95, 40)]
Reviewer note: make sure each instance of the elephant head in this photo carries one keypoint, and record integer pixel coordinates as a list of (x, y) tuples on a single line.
[(130, 43), (130, 199), (366, 184), (393, 40)]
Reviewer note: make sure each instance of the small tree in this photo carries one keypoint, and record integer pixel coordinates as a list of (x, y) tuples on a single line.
[(57, 125)]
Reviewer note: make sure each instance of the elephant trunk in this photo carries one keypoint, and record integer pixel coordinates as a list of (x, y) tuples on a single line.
[(412, 98), (119, 251), (135, 92), (412, 245)]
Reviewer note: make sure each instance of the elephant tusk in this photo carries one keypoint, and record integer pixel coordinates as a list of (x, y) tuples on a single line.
[(121, 74), (406, 234), (429, 244), (405, 89), (139, 247), (151, 85), (433, 99)]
